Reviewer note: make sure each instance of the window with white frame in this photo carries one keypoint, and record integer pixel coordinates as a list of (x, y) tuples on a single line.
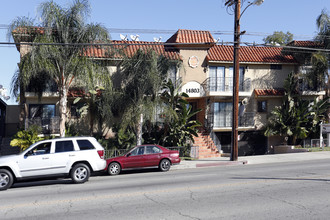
[(222, 114), (241, 78), (217, 78)]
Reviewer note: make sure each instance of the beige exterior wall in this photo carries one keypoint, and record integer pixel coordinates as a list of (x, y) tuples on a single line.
[(261, 118), (188, 73), (262, 77)]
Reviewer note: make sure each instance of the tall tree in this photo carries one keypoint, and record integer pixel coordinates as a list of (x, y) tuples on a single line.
[(323, 25), (57, 50), (279, 37), (296, 118), (180, 127), (142, 75), (289, 119)]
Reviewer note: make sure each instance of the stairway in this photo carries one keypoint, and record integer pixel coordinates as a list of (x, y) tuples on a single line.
[(206, 146)]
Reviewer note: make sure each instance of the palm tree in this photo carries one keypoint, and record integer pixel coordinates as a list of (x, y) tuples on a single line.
[(289, 119), (323, 25), (322, 64), (142, 75), (296, 118), (56, 48)]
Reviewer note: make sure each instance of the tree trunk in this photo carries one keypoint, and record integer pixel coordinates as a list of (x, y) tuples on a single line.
[(139, 130), (63, 109), (91, 120), (23, 110)]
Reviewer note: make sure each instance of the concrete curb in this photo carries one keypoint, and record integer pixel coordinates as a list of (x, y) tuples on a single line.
[(222, 163), (259, 159)]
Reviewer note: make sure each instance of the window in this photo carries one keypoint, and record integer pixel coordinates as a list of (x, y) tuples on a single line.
[(217, 78), (262, 106), (41, 149), (85, 145), (137, 151), (42, 110), (275, 66), (241, 78), (222, 114), (63, 146), (153, 150)]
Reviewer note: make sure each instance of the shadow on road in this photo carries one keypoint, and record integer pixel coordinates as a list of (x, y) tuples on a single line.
[(65, 181), (43, 182)]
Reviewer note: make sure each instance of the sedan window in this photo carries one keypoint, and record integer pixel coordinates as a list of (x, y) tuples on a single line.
[(137, 151), (153, 150)]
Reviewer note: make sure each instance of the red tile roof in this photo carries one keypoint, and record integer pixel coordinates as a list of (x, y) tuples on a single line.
[(250, 54), (79, 92), (310, 44), (129, 48), (269, 92), (191, 37)]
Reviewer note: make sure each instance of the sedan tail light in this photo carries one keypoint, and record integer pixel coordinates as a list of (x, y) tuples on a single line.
[(101, 153), (175, 154)]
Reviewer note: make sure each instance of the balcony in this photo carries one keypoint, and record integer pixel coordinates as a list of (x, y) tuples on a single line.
[(225, 120), (214, 86), (306, 89), (48, 125)]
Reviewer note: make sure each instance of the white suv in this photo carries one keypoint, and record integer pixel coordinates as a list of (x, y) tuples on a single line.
[(76, 157)]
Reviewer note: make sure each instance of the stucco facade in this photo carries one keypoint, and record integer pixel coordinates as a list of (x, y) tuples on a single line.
[(206, 74)]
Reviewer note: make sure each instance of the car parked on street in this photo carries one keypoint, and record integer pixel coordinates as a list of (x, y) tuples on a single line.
[(74, 157), (143, 156)]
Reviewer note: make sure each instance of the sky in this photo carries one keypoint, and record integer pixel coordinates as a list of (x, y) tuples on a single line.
[(164, 18)]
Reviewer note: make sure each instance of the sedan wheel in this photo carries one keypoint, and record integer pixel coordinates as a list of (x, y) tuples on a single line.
[(114, 168), (6, 179), (164, 165), (80, 173)]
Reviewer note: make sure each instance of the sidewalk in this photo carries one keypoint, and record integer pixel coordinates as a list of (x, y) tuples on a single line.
[(260, 159)]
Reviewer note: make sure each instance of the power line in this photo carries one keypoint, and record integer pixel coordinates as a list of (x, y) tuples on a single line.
[(146, 43), (213, 32)]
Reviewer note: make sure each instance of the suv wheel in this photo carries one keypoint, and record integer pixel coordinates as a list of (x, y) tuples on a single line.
[(80, 173), (114, 168), (6, 179)]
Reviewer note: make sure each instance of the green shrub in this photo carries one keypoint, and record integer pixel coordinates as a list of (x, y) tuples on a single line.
[(25, 138)]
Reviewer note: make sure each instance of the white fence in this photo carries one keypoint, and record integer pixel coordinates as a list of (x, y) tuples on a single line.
[(317, 143)]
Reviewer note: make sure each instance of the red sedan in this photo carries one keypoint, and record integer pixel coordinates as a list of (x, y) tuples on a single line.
[(144, 156)]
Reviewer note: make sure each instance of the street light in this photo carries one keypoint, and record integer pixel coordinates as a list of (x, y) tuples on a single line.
[(237, 33)]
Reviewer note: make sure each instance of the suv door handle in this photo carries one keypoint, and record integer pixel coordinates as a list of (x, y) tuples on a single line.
[(72, 155), (45, 158)]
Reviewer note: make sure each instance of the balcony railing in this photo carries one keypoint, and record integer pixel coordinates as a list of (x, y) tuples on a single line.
[(225, 120), (304, 86), (48, 125), (225, 84)]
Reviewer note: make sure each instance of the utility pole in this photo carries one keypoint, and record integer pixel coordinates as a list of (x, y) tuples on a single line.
[(234, 133), (237, 34)]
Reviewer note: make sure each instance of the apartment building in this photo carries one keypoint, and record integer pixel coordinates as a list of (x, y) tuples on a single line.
[(207, 77)]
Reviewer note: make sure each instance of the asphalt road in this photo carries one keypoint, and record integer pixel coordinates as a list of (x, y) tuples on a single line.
[(299, 190)]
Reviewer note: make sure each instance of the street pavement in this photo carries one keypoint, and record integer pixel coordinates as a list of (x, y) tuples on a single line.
[(247, 160)]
